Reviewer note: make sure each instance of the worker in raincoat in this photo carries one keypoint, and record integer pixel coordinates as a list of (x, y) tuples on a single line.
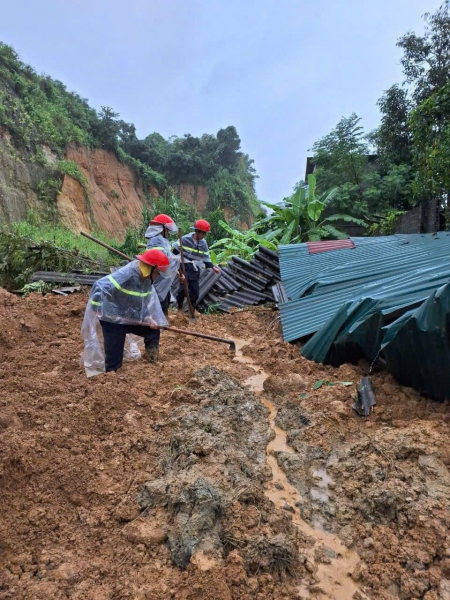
[(157, 232), (196, 257), (121, 303)]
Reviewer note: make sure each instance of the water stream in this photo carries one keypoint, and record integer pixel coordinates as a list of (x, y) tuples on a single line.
[(334, 579)]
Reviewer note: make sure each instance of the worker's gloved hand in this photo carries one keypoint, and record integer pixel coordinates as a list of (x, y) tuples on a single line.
[(151, 323), (216, 269)]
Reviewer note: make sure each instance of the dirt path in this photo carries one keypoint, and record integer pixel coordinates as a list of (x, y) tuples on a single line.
[(176, 482)]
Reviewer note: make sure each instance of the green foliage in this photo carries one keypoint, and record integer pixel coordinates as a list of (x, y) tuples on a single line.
[(240, 243), (393, 137), (70, 168), (426, 58), (148, 176), (37, 286), (21, 256), (430, 124), (341, 162), (387, 224), (213, 309), (48, 189), (39, 229), (212, 160), (214, 219), (38, 110), (301, 218), (393, 190), (227, 190), (297, 219)]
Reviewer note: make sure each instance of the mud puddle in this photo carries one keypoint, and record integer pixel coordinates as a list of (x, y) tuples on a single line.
[(334, 581)]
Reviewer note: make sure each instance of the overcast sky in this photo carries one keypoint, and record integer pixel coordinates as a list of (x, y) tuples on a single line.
[(282, 71)]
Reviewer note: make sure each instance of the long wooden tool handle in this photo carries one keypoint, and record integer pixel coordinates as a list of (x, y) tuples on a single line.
[(200, 335), (205, 336), (185, 283), (110, 248)]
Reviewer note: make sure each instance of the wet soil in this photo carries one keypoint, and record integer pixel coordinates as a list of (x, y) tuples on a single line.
[(186, 480)]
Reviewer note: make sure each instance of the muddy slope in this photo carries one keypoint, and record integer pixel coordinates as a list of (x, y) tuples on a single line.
[(155, 483)]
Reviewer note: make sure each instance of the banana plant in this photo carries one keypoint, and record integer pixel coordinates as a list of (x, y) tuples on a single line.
[(299, 219), (241, 243)]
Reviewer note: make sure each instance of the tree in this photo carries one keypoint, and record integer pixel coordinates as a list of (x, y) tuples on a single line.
[(393, 138), (430, 124), (341, 161), (107, 128), (426, 59), (227, 152)]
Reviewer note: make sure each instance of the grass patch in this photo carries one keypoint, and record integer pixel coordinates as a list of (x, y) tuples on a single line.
[(36, 229), (38, 244)]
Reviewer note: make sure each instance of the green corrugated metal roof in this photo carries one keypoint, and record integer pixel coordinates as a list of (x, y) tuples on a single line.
[(354, 330), (425, 333), (298, 267), (322, 283)]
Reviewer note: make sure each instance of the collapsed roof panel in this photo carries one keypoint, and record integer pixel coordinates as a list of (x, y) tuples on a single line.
[(325, 281), (391, 295), (425, 365)]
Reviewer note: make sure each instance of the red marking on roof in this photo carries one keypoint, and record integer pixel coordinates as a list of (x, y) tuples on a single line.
[(327, 246)]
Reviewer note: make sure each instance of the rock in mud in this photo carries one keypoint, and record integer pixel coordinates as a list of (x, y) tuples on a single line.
[(143, 532), (276, 384)]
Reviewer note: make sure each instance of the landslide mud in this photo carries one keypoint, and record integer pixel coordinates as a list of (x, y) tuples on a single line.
[(333, 578), (176, 481)]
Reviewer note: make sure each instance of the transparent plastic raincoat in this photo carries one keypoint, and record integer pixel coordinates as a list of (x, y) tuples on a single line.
[(156, 240), (123, 297), (194, 251)]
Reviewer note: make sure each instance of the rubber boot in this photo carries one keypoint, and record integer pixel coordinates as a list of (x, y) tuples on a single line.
[(151, 354)]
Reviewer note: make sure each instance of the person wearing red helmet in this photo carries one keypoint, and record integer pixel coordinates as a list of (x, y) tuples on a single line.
[(196, 257), (120, 303), (159, 228)]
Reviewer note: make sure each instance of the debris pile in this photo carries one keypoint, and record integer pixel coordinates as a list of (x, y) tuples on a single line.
[(240, 283), (351, 296)]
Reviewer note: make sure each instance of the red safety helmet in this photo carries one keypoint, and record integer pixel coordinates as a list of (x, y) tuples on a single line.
[(202, 225), (165, 221), (154, 258)]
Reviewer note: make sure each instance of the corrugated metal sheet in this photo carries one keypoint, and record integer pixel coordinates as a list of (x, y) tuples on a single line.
[(241, 283), (425, 329), (298, 267), (347, 326), (74, 277), (329, 245), (321, 283)]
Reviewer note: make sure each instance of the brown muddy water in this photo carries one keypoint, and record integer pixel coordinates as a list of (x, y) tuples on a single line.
[(335, 581)]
